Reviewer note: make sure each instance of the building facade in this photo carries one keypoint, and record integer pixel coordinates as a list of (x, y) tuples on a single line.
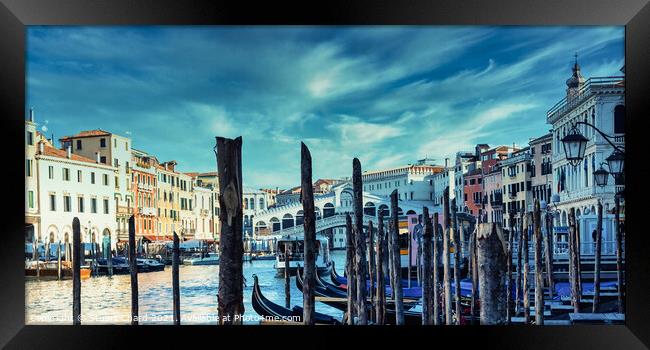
[(413, 182), (599, 101), (143, 183), (493, 195), (541, 166), (515, 175)]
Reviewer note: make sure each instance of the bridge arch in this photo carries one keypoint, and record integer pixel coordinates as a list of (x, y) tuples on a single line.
[(275, 224), (328, 210), (287, 221), (400, 212), (370, 209), (383, 208), (261, 228), (411, 212), (300, 217)]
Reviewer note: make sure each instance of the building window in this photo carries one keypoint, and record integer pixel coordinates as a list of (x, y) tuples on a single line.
[(28, 167), (93, 205), (116, 163), (117, 183), (30, 138), (105, 177), (30, 199), (52, 202), (66, 204), (66, 174), (102, 159), (80, 201), (105, 206), (102, 143), (50, 170), (619, 119), (78, 175), (92, 178), (78, 144)]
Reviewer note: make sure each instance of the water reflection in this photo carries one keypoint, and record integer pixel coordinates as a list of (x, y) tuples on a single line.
[(107, 300)]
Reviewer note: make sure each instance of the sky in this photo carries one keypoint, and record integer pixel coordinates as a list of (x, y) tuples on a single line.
[(389, 95)]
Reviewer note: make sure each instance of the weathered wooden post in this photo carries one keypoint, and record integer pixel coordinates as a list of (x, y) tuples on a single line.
[(76, 267), (397, 264), (360, 256), (573, 257), (309, 222), (549, 254), (457, 254), (520, 249), (599, 234), (133, 265), (380, 306), (539, 272), (38, 260), (349, 269), (578, 258), (231, 245), (445, 256), (109, 258), (58, 260), (409, 251), (436, 282), (619, 252), (175, 281), (287, 277), (511, 235), (492, 274), (473, 270), (371, 270), (427, 302), (526, 288)]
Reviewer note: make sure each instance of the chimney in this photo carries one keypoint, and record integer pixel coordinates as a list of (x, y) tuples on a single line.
[(31, 114), (69, 151), (97, 157), (41, 147)]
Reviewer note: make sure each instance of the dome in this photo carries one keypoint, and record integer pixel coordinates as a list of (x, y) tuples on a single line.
[(576, 79)]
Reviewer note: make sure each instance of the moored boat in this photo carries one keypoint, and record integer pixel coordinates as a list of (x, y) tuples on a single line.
[(202, 259), (267, 308), (50, 270)]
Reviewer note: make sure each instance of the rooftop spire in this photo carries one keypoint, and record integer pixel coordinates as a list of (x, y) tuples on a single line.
[(576, 81)]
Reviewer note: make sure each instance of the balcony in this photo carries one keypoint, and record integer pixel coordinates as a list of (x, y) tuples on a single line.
[(591, 87), (124, 210), (205, 212), (145, 187), (147, 211)]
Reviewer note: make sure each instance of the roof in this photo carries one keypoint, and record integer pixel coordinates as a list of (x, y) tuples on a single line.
[(212, 173), (541, 138), (193, 175), (60, 153), (87, 133)]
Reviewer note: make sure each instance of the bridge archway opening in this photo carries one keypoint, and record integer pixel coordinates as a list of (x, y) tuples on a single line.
[(400, 212), (411, 212), (328, 210), (383, 209), (300, 217), (261, 228), (317, 213), (370, 209), (275, 224), (287, 221)]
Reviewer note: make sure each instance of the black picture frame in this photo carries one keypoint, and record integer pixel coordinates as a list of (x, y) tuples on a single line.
[(16, 14)]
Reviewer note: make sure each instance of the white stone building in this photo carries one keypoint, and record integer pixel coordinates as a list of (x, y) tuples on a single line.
[(413, 181), (72, 186), (203, 213), (599, 101)]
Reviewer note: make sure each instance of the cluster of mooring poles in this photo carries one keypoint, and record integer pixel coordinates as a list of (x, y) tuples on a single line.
[(374, 256)]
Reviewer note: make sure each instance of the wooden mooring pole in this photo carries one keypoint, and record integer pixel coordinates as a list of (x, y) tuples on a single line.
[(619, 253), (445, 256), (511, 235), (397, 264), (455, 230), (287, 277), (549, 254), (176, 295), (526, 268), (436, 259), (520, 249), (427, 302), (349, 269), (599, 235), (539, 271), (573, 258), (492, 274), (360, 242), (231, 245), (76, 267), (133, 265), (371, 271), (58, 260), (380, 305), (473, 271), (309, 223)]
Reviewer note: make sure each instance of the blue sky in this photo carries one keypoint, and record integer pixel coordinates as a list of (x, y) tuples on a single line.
[(386, 94)]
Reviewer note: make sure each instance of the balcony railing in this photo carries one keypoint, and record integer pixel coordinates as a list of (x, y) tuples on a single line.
[(591, 86)]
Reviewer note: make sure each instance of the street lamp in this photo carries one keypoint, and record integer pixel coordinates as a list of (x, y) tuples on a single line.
[(601, 176), (575, 145), (616, 161)]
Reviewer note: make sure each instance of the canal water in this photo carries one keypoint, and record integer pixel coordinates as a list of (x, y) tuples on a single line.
[(107, 300)]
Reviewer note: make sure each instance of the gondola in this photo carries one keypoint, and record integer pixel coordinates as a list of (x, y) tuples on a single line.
[(267, 308), (337, 298)]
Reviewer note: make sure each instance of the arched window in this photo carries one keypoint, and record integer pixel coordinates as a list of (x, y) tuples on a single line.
[(619, 119)]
